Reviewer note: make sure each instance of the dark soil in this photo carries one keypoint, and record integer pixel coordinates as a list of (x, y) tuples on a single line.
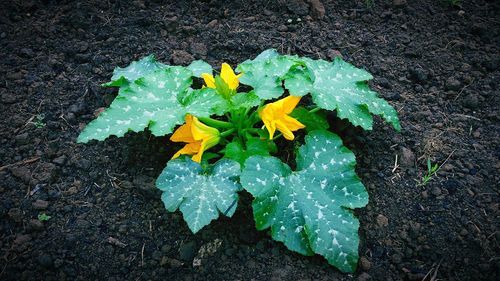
[(437, 64)]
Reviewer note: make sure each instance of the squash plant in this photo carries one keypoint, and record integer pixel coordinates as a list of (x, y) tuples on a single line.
[(229, 139)]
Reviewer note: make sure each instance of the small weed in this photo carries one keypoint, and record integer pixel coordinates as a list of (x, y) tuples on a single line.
[(39, 120), (431, 171), (43, 217)]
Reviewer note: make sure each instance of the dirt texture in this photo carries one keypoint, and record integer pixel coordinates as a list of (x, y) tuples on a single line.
[(437, 64)]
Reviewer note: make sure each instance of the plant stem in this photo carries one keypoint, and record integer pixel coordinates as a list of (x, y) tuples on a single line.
[(315, 109), (227, 133), (215, 123)]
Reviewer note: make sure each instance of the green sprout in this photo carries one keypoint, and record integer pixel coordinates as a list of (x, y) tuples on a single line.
[(431, 171), (43, 217), (39, 120)]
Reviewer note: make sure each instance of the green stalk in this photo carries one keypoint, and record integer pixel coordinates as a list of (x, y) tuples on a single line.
[(215, 123), (315, 109), (227, 133)]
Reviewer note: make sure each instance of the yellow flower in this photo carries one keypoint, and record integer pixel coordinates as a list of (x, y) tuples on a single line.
[(199, 137), (275, 116), (227, 75)]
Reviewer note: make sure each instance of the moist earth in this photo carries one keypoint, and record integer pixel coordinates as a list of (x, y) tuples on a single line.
[(437, 64)]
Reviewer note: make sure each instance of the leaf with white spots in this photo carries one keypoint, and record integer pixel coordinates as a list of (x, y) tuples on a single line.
[(158, 101), (200, 194), (198, 67), (310, 210), (136, 70), (264, 74), (340, 86)]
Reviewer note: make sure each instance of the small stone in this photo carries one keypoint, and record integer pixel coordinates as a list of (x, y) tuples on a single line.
[(173, 263), (45, 261), (417, 74), (199, 49), (399, 3), (60, 160), (407, 157), (187, 251), (364, 277), (16, 214), (298, 7), (425, 195), (471, 101), (365, 264), (396, 258), (35, 224), (282, 28), (8, 98), (40, 204), (317, 9), (436, 191), (22, 138), (21, 173), (212, 23), (382, 220), (453, 84), (181, 57)]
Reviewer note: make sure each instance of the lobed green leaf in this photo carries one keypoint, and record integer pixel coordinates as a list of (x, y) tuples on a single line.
[(309, 210)]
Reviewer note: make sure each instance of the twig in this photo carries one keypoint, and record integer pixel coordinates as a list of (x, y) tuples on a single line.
[(22, 162), (463, 88), (395, 164), (142, 254)]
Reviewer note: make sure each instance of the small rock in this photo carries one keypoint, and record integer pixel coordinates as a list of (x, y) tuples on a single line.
[(22, 138), (16, 214), (417, 74), (199, 49), (317, 9), (425, 195), (45, 261), (364, 277), (282, 28), (22, 239), (60, 160), (35, 224), (453, 84), (436, 191), (471, 101), (399, 3), (396, 258), (383, 82), (77, 108), (298, 7), (40, 204), (8, 98), (187, 251), (407, 157), (21, 173), (181, 57), (212, 23), (382, 220), (173, 263), (365, 264)]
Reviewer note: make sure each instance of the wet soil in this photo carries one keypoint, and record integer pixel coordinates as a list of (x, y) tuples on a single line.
[(437, 64)]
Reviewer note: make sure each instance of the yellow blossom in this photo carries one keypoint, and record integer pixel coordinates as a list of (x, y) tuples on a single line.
[(198, 136), (275, 116), (228, 76)]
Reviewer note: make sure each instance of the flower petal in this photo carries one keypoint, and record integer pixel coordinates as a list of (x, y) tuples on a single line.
[(292, 123), (201, 131), (183, 133), (289, 103), (189, 149), (209, 80), (287, 133), (227, 74)]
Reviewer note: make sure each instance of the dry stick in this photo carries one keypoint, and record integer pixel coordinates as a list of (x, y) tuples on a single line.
[(22, 162), (459, 93), (395, 164), (142, 254)]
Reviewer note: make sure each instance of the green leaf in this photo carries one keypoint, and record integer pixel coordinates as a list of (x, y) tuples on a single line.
[(255, 146), (158, 101), (245, 100), (198, 67), (265, 73), (136, 70), (310, 209), (340, 86), (312, 120), (200, 195), (298, 82)]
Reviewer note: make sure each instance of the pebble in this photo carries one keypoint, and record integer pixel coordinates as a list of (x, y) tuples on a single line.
[(364, 277), (471, 101), (453, 84), (317, 9), (35, 224), (199, 49), (399, 3), (22, 138), (382, 220), (181, 57), (40, 204), (45, 261), (407, 157), (16, 214), (187, 251), (418, 74), (212, 23), (436, 191), (60, 160), (365, 263)]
